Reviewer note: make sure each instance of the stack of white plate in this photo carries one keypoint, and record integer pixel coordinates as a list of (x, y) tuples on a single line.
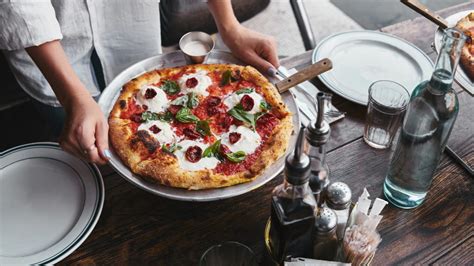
[(50, 202)]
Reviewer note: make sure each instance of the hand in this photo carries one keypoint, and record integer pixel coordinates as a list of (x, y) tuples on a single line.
[(85, 133), (253, 48)]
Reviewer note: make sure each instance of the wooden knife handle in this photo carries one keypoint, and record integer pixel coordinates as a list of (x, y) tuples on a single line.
[(425, 12), (304, 75)]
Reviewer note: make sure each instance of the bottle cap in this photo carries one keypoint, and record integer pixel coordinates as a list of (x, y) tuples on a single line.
[(338, 196), (326, 220), (318, 131), (297, 164)]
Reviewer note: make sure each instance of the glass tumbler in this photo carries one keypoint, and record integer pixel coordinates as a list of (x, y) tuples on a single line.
[(387, 103), (230, 254)]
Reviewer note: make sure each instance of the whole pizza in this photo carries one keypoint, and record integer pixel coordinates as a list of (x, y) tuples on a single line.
[(200, 126), (466, 25)]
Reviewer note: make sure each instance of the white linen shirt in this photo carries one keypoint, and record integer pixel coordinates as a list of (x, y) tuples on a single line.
[(122, 32)]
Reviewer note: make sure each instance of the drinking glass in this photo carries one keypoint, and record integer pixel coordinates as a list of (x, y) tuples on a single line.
[(230, 254), (387, 103)]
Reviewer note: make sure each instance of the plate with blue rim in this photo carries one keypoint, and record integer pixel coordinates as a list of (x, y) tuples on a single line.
[(360, 58), (50, 201)]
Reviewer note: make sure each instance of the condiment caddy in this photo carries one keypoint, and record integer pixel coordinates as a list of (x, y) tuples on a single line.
[(311, 218)]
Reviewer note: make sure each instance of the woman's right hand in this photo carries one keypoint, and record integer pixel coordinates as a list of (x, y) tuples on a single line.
[(85, 132)]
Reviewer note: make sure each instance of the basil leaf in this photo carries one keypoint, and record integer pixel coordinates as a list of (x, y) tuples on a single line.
[(213, 150), (226, 77), (192, 101), (265, 106), (238, 113), (180, 101), (258, 115), (148, 116), (236, 157), (244, 90), (184, 115), (166, 116), (203, 128), (172, 148), (170, 87)]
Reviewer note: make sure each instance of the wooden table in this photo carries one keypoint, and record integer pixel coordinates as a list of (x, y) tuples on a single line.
[(138, 228)]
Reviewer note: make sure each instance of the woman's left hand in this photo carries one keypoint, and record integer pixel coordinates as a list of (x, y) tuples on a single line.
[(253, 48)]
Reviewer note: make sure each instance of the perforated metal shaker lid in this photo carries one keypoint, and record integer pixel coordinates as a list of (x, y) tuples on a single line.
[(338, 196), (326, 220)]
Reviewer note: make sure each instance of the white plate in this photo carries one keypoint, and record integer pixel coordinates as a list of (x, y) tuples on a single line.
[(361, 57), (460, 75), (111, 93), (49, 203)]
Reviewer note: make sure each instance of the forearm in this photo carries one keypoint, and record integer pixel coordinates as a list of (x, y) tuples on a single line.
[(223, 15), (53, 63)]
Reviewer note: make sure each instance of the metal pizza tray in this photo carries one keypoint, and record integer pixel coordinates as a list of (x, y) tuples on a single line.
[(173, 59), (460, 76)]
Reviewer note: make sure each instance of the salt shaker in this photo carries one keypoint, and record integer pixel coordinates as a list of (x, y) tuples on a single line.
[(324, 234), (338, 197)]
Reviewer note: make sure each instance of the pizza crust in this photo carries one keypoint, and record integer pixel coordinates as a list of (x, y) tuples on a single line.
[(162, 167), (466, 25)]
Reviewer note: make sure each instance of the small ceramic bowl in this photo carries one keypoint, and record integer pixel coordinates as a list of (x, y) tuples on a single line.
[(229, 254), (196, 45)]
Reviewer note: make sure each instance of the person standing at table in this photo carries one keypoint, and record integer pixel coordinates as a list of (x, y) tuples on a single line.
[(50, 46)]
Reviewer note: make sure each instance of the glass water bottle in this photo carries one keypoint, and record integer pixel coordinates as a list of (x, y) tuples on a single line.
[(425, 130)]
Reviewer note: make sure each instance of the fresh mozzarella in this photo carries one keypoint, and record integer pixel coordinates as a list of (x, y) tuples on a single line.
[(164, 136), (248, 142), (157, 104), (203, 163), (203, 82), (234, 99)]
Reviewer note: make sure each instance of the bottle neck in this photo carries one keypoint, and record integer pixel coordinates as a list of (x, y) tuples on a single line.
[(299, 187), (318, 152), (447, 61)]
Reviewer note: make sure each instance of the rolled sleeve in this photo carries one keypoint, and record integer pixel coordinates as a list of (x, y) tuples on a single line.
[(27, 23)]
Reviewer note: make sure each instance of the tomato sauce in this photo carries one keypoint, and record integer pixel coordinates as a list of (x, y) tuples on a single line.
[(179, 127), (228, 168), (265, 126), (132, 108)]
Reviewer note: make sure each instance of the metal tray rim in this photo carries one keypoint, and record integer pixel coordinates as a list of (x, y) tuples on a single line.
[(110, 94)]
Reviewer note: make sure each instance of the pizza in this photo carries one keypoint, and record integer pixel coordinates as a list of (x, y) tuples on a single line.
[(200, 126), (466, 25)]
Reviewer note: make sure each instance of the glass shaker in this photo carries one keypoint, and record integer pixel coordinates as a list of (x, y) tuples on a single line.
[(324, 234), (292, 209), (317, 135), (338, 197)]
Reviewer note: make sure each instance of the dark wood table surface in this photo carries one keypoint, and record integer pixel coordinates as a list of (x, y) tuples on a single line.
[(138, 228)]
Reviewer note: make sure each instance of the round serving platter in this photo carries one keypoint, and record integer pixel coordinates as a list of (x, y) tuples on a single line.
[(361, 57), (460, 75), (50, 201), (173, 59)]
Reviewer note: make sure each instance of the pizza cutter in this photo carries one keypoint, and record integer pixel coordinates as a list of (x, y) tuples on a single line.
[(304, 75)]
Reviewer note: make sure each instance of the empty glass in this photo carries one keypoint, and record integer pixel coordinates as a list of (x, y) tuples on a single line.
[(230, 254), (387, 103)]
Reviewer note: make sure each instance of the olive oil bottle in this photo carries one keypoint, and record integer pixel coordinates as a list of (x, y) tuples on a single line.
[(292, 208)]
